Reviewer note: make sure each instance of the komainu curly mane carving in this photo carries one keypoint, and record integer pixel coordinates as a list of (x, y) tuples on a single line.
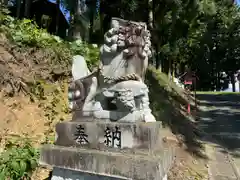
[(116, 90), (128, 44)]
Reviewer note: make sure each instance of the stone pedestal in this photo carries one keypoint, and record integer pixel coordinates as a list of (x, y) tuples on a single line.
[(106, 150), (122, 139)]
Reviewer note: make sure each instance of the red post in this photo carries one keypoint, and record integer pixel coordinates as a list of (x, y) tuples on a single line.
[(189, 108), (190, 80)]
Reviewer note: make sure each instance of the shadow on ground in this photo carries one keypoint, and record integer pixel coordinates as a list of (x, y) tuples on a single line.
[(169, 108), (219, 117)]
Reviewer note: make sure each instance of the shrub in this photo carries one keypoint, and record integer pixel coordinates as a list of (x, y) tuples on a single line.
[(18, 160), (26, 33)]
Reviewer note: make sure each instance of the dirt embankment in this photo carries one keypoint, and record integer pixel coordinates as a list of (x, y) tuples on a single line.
[(30, 82), (17, 113), (27, 77), (21, 67), (33, 92)]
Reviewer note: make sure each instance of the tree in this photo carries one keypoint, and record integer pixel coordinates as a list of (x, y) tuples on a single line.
[(79, 16), (92, 5), (57, 15), (18, 5), (218, 46), (27, 7)]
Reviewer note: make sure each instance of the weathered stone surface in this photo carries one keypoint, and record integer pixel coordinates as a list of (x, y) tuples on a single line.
[(67, 174), (116, 90), (132, 135), (126, 49), (79, 67), (78, 92), (113, 164)]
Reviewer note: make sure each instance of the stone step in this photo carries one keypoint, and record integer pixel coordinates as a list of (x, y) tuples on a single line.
[(110, 164), (109, 135)]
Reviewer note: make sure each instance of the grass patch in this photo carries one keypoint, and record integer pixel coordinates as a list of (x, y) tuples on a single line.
[(168, 103)]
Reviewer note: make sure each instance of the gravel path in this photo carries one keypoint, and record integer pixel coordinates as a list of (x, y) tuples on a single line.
[(220, 119)]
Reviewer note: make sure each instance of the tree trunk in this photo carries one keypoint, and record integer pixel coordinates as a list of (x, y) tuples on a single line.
[(218, 82), (91, 27), (92, 12), (76, 30), (101, 26), (173, 71), (169, 68), (173, 41), (239, 86), (18, 8), (27, 8), (158, 60), (57, 16), (150, 14), (233, 82), (151, 26)]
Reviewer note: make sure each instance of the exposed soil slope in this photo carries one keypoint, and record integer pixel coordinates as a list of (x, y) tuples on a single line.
[(21, 67)]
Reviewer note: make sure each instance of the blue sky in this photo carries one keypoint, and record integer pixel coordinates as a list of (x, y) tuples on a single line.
[(238, 1)]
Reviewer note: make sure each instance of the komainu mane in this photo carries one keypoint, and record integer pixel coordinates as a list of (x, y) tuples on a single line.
[(116, 90)]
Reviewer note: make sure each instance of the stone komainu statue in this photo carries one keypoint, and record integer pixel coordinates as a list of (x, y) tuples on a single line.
[(116, 90)]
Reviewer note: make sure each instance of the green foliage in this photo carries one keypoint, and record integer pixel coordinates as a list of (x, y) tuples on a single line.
[(18, 160), (26, 33), (90, 52)]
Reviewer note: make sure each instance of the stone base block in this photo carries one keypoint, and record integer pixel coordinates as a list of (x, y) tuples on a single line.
[(107, 135), (118, 165), (66, 174)]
